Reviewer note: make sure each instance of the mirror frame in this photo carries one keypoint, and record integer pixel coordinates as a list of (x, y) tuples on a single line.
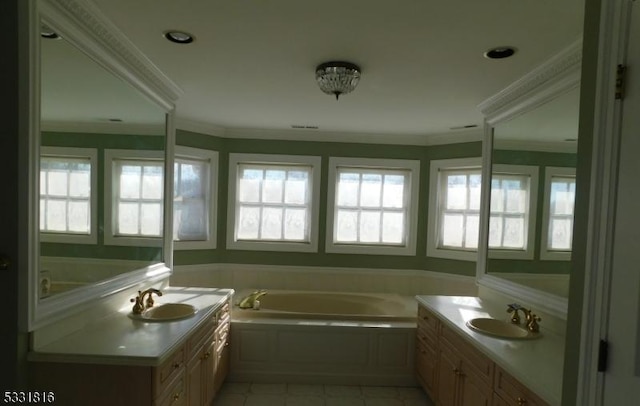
[(554, 77), (85, 27)]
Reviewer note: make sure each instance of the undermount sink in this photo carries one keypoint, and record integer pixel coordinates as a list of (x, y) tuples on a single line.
[(166, 312), (500, 329)]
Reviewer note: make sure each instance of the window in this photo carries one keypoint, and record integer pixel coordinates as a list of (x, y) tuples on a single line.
[(557, 226), (372, 206), (194, 190), (273, 202), (134, 202), (454, 208), (513, 209), (68, 185)]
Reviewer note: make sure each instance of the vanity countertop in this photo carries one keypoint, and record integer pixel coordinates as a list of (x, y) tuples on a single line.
[(537, 363), (118, 339)]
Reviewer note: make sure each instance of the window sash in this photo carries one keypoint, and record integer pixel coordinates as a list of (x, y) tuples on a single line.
[(468, 236), (501, 216), (182, 201)]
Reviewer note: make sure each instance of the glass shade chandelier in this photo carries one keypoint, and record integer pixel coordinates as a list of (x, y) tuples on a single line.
[(337, 77)]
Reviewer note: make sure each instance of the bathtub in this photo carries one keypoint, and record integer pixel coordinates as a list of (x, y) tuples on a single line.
[(330, 306), (325, 337)]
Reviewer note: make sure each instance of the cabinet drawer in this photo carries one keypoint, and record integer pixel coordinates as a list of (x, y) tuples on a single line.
[(427, 320), (470, 357), (199, 339), (513, 392), (176, 392), (171, 368), (223, 314), (429, 339)]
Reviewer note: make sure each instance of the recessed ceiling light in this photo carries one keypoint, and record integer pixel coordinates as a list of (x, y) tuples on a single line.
[(179, 37), (48, 33), (500, 52)]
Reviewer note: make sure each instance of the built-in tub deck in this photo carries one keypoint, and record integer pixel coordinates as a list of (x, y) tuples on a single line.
[(325, 337)]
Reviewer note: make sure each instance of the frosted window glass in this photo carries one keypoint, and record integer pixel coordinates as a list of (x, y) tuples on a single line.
[(347, 226), (348, 186), (393, 228), (151, 219), (128, 219), (271, 223), (130, 182), (561, 233), (393, 196), (79, 216), (514, 233), (370, 226), (152, 182), (370, 190), (57, 215), (248, 222), (495, 232), (471, 231), (456, 192), (295, 224), (79, 184), (57, 183)]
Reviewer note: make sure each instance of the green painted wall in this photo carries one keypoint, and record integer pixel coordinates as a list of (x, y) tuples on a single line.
[(541, 160), (102, 142), (424, 154)]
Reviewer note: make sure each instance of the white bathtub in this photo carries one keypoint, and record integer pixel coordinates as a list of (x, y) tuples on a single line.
[(325, 337)]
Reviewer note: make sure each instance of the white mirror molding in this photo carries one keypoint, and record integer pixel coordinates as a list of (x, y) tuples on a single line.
[(554, 77), (84, 26)]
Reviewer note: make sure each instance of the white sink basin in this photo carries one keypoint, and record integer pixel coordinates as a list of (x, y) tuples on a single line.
[(500, 329), (166, 312)]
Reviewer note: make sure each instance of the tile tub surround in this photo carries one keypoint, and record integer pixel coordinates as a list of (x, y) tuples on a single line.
[(116, 339), (398, 281), (538, 364), (247, 394)]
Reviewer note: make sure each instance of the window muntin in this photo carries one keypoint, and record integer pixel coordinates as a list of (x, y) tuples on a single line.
[(371, 206), (139, 189), (68, 195), (557, 232), (512, 215), (273, 202), (134, 197), (459, 208)]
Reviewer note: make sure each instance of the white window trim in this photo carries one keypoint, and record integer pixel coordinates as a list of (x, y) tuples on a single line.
[(412, 215), (532, 172), (285, 246), (433, 222), (212, 157), (546, 255), (67, 238), (109, 196)]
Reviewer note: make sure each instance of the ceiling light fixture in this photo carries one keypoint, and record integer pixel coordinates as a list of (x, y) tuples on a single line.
[(500, 52), (337, 77), (179, 37)]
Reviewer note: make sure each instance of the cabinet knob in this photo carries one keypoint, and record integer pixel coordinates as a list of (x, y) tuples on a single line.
[(176, 365), (521, 401), (176, 396), (206, 355)]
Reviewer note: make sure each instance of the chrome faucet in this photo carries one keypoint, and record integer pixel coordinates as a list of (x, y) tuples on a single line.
[(249, 301), (139, 304)]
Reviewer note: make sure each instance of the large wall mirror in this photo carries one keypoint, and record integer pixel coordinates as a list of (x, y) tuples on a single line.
[(105, 132), (530, 155)]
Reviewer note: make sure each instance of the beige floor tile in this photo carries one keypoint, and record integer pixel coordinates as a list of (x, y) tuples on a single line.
[(265, 400), (380, 391), (344, 401), (342, 390), (411, 393), (229, 399), (304, 400), (236, 387), (383, 402), (268, 388), (303, 389)]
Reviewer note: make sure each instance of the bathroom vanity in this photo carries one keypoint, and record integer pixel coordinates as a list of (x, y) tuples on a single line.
[(458, 366), (118, 360)]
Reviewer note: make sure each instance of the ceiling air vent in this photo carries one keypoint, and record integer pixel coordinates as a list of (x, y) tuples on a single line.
[(304, 127), (462, 127)]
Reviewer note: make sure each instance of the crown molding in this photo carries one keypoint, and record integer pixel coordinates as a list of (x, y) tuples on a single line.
[(103, 128), (541, 146), (557, 75), (82, 23)]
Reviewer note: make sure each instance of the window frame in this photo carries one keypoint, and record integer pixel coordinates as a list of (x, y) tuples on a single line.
[(212, 201), (545, 254), (110, 155), (411, 222), (314, 201), (528, 253), (435, 202), (71, 238)]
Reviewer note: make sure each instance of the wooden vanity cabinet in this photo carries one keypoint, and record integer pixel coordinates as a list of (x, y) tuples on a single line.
[(191, 375), (454, 373)]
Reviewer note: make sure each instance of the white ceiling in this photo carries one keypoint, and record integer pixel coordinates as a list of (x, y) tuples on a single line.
[(423, 71)]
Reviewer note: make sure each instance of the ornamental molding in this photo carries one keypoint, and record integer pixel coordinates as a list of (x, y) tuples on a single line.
[(84, 25)]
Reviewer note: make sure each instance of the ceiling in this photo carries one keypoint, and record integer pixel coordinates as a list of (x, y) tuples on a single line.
[(252, 63)]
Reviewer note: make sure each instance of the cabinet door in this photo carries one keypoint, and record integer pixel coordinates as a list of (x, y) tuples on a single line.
[(208, 373), (194, 381), (426, 367), (448, 369), (473, 390)]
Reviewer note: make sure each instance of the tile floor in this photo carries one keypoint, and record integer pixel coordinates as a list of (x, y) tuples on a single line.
[(260, 394)]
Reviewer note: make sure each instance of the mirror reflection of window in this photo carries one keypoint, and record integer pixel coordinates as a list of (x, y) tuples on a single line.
[(190, 196), (509, 210), (460, 205), (563, 192)]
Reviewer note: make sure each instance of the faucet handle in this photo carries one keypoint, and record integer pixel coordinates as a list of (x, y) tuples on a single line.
[(138, 307), (513, 308), (532, 322)]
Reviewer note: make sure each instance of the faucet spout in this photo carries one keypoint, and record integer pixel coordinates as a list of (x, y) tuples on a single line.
[(139, 304), (249, 301)]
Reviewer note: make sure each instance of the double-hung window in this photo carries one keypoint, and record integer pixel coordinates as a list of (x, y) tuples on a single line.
[(134, 204), (273, 202), (194, 191), (68, 201), (454, 208), (372, 206), (512, 211), (557, 226)]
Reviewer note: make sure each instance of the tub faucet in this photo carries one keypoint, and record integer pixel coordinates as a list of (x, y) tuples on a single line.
[(249, 301), (139, 303)]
